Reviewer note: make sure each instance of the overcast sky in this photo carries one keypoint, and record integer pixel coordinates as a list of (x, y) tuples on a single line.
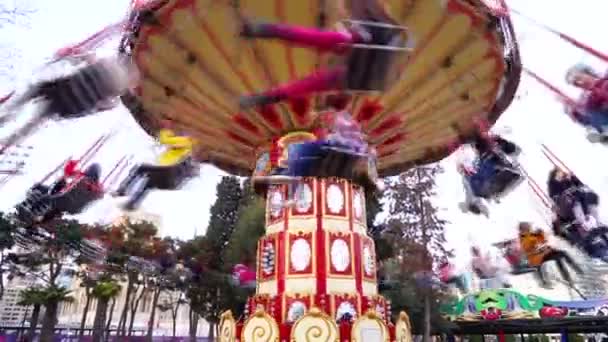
[(60, 22)]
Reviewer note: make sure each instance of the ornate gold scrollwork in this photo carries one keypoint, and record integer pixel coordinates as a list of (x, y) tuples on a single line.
[(260, 327), (227, 327), (403, 328), (315, 326), (368, 327)]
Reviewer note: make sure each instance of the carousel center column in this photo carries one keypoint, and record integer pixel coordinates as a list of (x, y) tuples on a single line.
[(317, 253)]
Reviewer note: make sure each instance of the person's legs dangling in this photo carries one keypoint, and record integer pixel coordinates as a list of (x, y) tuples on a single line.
[(580, 217), (126, 183), (541, 276), (320, 81), (322, 40)]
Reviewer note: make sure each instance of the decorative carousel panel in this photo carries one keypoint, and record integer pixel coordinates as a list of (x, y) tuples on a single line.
[(275, 207), (305, 199), (315, 326), (301, 254), (260, 327), (339, 249), (403, 328), (295, 306), (368, 262), (227, 327), (358, 199), (345, 305), (260, 302), (335, 197), (370, 328), (267, 254), (379, 305)]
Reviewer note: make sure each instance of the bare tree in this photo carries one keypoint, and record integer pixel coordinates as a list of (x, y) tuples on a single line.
[(12, 13)]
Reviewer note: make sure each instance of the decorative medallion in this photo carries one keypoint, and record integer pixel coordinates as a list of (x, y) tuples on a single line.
[(358, 205), (303, 198), (368, 261), (297, 309), (346, 308), (335, 199), (268, 259), (340, 255), (276, 204), (300, 255)]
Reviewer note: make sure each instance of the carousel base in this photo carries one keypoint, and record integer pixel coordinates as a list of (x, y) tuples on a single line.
[(314, 325)]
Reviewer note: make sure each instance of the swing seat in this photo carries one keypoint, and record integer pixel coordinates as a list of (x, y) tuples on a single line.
[(319, 159), (507, 179), (596, 245), (170, 177), (81, 92), (497, 183), (368, 65), (36, 207), (76, 196), (517, 270)]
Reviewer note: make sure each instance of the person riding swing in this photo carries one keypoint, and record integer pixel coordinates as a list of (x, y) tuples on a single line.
[(369, 44), (174, 167), (71, 193)]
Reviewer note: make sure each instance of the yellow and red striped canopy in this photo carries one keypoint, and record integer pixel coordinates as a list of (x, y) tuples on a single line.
[(195, 67)]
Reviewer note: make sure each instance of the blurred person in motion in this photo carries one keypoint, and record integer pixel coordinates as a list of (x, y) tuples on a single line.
[(591, 110), (492, 174), (88, 89), (368, 48), (539, 252), (575, 203), (486, 268)]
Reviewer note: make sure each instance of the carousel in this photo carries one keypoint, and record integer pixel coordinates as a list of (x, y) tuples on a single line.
[(430, 73)]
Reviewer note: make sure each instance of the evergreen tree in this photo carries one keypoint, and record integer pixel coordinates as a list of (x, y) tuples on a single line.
[(250, 227), (210, 291), (223, 218), (418, 237), (412, 215)]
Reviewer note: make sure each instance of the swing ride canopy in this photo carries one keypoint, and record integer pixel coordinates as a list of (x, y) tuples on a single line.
[(194, 67)]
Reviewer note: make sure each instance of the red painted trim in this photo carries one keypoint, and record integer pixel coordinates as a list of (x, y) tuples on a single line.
[(320, 238), (358, 263), (281, 261)]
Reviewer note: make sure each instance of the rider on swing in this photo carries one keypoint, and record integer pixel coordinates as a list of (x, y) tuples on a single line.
[(178, 153), (304, 158), (71, 173), (538, 252), (367, 45), (574, 203), (592, 109), (481, 182), (485, 268)]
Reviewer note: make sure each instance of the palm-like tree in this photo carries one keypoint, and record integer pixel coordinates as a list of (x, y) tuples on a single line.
[(34, 297), (103, 291), (53, 295)]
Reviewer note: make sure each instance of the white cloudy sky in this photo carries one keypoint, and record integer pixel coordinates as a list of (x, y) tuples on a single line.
[(60, 22)]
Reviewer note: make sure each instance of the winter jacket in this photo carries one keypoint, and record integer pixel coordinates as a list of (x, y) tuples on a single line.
[(558, 188), (534, 245), (178, 148), (597, 97)]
